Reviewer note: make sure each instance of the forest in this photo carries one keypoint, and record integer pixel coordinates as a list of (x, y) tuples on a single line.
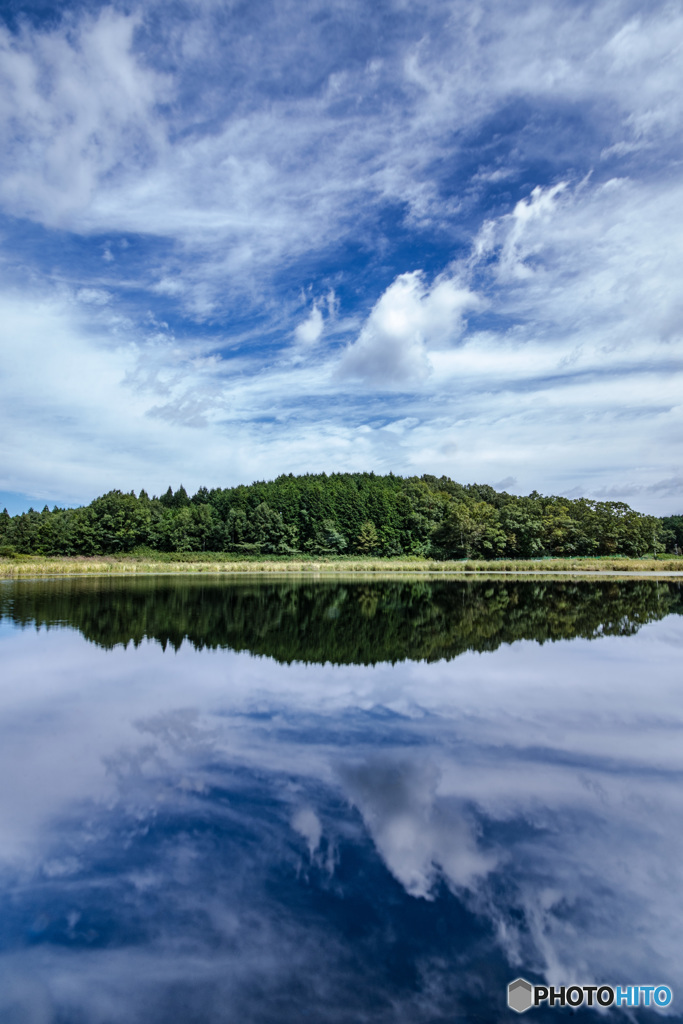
[(344, 514)]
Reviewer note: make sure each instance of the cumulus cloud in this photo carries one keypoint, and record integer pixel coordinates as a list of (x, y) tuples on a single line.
[(409, 319)]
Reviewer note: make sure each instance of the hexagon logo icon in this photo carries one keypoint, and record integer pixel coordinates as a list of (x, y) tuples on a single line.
[(520, 995)]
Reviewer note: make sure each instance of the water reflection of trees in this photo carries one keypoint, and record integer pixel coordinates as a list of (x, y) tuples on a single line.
[(359, 621)]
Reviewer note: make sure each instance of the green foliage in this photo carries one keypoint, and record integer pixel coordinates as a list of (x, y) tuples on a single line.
[(367, 541), (327, 540), (471, 529), (672, 534), (345, 513)]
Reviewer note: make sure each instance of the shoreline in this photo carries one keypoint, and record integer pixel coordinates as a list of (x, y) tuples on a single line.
[(26, 567)]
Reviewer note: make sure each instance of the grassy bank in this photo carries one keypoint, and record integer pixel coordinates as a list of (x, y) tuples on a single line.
[(219, 562)]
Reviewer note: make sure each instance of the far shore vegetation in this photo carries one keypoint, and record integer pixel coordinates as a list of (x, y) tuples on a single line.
[(145, 562), (343, 522)]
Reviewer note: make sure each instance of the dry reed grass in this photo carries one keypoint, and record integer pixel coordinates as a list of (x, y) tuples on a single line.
[(34, 566)]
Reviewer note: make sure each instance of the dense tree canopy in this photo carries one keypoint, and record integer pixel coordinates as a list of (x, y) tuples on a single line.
[(344, 513)]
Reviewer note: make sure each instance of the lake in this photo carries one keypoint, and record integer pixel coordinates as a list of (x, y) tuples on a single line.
[(358, 800)]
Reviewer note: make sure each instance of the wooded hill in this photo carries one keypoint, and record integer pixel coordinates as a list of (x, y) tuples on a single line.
[(344, 513)]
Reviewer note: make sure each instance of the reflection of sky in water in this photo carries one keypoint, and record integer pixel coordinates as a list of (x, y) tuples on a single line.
[(208, 836)]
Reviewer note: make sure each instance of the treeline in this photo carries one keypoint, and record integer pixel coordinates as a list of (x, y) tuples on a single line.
[(344, 513)]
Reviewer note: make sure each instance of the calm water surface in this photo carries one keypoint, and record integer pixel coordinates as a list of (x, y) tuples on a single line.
[(357, 801)]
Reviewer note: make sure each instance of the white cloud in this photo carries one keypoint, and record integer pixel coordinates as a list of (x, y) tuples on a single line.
[(528, 213), (77, 109), (409, 319), (169, 286), (93, 296), (310, 330), (70, 423)]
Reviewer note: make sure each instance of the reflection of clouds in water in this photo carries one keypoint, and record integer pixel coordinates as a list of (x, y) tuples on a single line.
[(307, 823), (211, 905), (264, 838), (578, 887), (419, 834)]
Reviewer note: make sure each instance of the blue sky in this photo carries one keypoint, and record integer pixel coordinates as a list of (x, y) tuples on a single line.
[(240, 239)]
